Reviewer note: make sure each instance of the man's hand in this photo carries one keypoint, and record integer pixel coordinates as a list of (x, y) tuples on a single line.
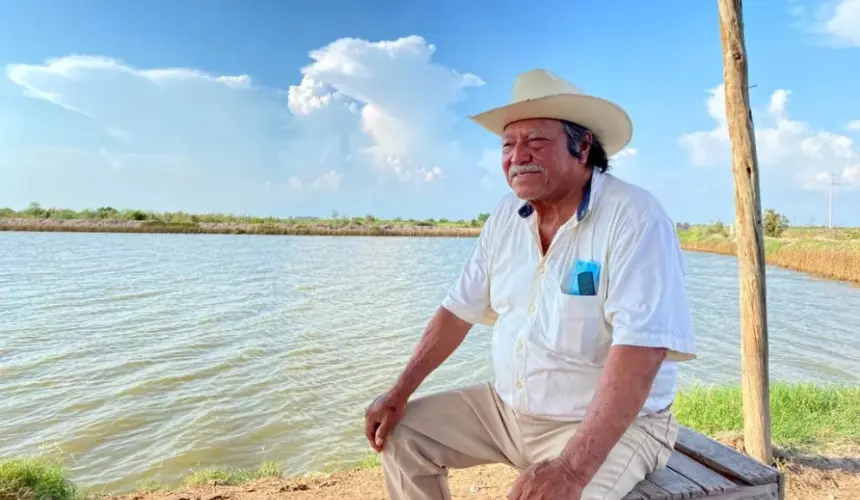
[(380, 417), (546, 480), (444, 333)]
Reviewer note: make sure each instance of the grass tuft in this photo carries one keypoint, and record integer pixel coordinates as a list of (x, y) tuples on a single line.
[(803, 416), (34, 479), (231, 475)]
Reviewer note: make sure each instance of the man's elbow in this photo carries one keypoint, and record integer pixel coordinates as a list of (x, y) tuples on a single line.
[(636, 362)]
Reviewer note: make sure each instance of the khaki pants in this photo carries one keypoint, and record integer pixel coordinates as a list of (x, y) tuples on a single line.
[(472, 426)]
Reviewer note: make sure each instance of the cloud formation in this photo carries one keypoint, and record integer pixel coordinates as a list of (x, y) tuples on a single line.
[(844, 23), (389, 100), (835, 21), (363, 113), (801, 155)]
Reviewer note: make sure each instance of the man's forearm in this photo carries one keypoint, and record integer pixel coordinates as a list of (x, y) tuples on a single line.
[(443, 334), (623, 389)]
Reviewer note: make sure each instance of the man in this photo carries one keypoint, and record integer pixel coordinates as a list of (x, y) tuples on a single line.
[(582, 277)]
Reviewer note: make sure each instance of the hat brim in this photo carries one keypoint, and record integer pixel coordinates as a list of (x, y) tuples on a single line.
[(606, 120)]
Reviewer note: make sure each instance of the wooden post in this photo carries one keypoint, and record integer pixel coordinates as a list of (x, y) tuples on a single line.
[(750, 237)]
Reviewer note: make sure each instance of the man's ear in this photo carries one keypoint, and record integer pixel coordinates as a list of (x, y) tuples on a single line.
[(585, 146)]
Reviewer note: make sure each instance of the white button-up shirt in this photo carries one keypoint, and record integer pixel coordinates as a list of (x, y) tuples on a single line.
[(549, 346)]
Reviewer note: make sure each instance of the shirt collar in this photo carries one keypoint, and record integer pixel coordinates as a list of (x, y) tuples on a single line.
[(589, 194)]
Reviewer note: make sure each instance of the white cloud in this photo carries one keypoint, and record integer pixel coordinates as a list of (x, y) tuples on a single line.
[(799, 152), (363, 112), (329, 181), (390, 98), (837, 22), (844, 23), (213, 122), (853, 125)]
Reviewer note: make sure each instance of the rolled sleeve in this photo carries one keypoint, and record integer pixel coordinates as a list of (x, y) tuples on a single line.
[(646, 302), (469, 297)]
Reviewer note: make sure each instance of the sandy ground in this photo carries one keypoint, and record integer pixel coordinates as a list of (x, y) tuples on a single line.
[(835, 480)]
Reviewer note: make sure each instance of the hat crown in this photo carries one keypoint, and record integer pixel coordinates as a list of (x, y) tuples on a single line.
[(539, 83)]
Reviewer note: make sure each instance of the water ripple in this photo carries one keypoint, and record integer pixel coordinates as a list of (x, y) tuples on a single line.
[(138, 357)]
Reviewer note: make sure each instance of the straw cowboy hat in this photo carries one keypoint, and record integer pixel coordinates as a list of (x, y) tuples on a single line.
[(541, 94)]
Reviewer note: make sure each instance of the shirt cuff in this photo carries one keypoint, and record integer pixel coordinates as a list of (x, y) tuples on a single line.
[(484, 317), (680, 349)]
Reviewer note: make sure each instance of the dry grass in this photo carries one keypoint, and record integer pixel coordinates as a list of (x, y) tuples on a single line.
[(825, 475), (831, 255), (268, 228)]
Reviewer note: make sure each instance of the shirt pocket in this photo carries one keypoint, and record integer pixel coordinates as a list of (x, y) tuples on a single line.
[(578, 333)]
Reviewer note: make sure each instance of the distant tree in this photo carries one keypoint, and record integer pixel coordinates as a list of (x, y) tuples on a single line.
[(107, 213), (137, 215), (775, 223), (36, 210), (482, 218), (718, 228)]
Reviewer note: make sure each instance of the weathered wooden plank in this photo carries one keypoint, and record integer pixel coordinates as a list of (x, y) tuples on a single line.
[(646, 490), (636, 494), (761, 492), (728, 462), (677, 486), (710, 481)]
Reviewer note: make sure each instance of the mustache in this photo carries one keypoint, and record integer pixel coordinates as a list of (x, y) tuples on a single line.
[(516, 170)]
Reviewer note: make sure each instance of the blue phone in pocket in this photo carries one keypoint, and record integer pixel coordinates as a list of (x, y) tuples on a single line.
[(583, 278)]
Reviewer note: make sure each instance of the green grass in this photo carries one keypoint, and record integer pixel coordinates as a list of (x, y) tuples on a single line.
[(367, 462), (803, 416), (233, 475), (34, 479), (177, 220)]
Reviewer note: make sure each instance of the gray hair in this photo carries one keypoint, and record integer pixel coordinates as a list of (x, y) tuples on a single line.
[(576, 136)]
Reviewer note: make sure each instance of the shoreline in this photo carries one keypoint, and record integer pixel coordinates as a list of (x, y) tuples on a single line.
[(816, 433), (833, 260), (347, 228)]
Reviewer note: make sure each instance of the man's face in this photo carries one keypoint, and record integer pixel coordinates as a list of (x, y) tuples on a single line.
[(536, 161)]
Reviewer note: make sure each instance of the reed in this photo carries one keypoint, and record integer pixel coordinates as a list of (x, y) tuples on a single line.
[(279, 229), (831, 254), (834, 255)]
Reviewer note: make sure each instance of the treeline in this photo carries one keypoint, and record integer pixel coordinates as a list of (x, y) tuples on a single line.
[(36, 211)]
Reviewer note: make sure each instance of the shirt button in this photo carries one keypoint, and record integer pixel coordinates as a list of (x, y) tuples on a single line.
[(531, 308), (519, 384)]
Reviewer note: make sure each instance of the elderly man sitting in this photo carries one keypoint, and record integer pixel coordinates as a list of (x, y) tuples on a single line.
[(581, 276)]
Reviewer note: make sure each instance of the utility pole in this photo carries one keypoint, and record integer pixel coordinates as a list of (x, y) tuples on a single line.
[(830, 211), (750, 237)]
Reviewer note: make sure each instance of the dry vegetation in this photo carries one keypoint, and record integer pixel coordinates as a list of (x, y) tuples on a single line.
[(832, 254)]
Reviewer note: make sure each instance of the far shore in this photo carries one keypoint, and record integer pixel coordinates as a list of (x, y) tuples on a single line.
[(829, 254), (347, 228)]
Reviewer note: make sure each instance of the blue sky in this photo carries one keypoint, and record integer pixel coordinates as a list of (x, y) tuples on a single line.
[(297, 108)]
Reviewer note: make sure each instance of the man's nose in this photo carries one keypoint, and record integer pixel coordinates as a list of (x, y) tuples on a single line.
[(521, 154)]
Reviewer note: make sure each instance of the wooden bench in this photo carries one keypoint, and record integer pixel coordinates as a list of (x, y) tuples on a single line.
[(704, 468)]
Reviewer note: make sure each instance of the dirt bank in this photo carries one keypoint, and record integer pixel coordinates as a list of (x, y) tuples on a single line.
[(804, 482), (276, 228)]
